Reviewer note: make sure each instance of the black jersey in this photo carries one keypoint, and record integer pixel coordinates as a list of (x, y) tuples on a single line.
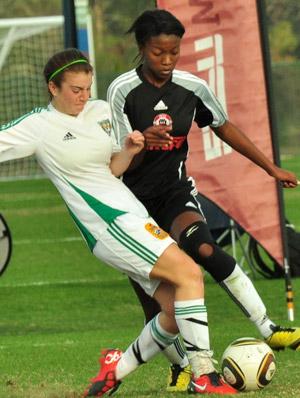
[(137, 104)]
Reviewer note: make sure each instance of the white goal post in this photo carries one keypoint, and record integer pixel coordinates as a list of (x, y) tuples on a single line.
[(25, 46)]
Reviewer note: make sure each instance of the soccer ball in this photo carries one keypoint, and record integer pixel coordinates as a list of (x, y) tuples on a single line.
[(248, 364)]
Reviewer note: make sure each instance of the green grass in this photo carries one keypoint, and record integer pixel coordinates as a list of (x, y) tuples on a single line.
[(60, 306), (292, 196)]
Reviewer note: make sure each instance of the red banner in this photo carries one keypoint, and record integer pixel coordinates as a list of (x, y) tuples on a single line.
[(222, 45)]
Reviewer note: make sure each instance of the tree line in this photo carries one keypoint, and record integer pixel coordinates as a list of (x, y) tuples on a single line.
[(111, 20)]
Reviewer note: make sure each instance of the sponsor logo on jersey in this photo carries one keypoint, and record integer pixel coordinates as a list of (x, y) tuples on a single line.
[(160, 106), (162, 119), (69, 137), (176, 144), (106, 125), (156, 231)]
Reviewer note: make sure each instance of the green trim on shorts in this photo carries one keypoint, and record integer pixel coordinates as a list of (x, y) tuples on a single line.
[(89, 238), (107, 213), (132, 244)]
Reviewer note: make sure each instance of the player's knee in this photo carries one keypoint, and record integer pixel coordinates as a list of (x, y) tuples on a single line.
[(191, 274), (220, 264), (206, 250), (196, 240)]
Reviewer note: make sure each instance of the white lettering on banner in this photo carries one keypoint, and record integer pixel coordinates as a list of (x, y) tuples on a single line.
[(213, 64)]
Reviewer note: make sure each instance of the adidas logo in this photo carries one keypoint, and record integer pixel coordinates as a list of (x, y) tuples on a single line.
[(69, 136), (160, 106)]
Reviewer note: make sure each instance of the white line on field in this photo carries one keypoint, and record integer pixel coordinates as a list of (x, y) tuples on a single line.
[(63, 282), (46, 241), (37, 345), (49, 283)]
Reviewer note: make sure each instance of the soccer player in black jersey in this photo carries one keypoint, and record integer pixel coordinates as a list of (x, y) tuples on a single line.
[(162, 102)]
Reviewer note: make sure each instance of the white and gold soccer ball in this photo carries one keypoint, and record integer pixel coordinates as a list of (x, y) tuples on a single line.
[(248, 364)]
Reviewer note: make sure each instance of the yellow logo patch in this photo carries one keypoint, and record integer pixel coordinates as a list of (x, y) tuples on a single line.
[(156, 231), (105, 124)]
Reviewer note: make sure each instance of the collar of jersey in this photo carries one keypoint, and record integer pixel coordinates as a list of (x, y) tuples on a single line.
[(144, 80), (65, 115)]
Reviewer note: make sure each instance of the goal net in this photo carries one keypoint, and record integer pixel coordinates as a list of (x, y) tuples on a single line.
[(25, 46)]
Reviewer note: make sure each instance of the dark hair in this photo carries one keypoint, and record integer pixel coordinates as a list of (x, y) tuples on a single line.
[(153, 23), (66, 60)]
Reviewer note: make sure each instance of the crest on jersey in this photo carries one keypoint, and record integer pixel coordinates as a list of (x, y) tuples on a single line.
[(106, 125), (156, 231), (162, 119)]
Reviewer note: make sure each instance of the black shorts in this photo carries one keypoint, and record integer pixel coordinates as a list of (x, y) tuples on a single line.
[(180, 197)]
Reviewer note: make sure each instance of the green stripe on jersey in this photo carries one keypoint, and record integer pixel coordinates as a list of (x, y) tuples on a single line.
[(89, 238), (16, 121), (132, 244), (107, 213)]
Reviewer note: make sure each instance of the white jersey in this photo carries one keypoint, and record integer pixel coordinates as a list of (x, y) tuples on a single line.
[(75, 153)]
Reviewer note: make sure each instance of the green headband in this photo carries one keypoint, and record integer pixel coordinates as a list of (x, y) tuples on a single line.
[(77, 61)]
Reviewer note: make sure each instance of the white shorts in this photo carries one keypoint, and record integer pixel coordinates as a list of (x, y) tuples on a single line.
[(132, 245)]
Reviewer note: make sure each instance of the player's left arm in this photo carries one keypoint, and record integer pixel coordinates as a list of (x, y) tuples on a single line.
[(234, 137), (133, 144)]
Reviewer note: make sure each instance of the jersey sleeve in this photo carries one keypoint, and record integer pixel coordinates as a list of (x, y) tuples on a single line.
[(17, 139), (211, 102), (120, 123)]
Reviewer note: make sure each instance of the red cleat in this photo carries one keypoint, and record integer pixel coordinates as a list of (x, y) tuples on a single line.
[(106, 379), (211, 383)]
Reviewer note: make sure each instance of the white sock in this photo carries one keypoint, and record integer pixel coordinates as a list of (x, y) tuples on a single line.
[(241, 290), (152, 340), (265, 326), (191, 318), (176, 354)]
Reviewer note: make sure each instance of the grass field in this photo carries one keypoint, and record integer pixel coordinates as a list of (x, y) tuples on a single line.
[(60, 306)]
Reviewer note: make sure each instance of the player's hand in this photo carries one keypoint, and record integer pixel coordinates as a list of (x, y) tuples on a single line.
[(158, 136), (134, 142), (287, 178)]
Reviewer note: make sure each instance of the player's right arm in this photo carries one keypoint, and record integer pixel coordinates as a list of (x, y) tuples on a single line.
[(133, 145), (17, 139)]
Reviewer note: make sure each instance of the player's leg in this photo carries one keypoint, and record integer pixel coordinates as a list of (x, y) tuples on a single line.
[(179, 374), (190, 230), (150, 306), (190, 316), (185, 298), (163, 261)]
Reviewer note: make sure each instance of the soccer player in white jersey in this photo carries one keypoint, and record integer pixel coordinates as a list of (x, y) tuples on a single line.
[(73, 142), (171, 101)]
